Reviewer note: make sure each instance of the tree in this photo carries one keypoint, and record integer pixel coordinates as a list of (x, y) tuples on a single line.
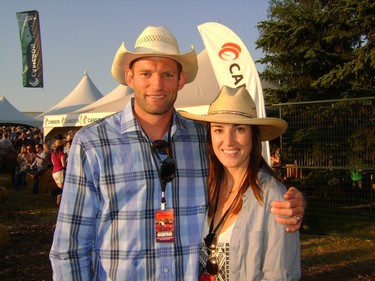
[(318, 50)]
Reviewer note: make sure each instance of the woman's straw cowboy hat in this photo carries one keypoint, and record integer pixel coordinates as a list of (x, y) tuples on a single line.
[(235, 106), (59, 143), (154, 41)]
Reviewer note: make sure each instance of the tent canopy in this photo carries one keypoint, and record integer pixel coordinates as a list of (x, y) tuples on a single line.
[(204, 89), (111, 102), (82, 95), (10, 115), (195, 97)]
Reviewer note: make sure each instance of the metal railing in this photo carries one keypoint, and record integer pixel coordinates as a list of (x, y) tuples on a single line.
[(328, 152)]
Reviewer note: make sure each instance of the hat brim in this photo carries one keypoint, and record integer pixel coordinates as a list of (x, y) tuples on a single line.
[(270, 128), (124, 57)]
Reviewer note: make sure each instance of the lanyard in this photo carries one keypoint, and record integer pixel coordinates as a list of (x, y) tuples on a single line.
[(156, 154)]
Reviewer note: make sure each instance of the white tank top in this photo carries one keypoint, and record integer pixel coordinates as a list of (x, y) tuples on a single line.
[(222, 251)]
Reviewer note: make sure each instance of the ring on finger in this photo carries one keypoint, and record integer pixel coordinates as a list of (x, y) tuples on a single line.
[(298, 219)]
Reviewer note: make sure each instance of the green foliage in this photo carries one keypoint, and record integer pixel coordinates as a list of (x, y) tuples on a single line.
[(317, 50)]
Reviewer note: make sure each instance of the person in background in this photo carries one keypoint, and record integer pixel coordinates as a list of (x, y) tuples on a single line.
[(68, 143), (47, 150), (134, 198), (6, 147), (36, 138), (241, 240), (58, 158), (39, 166), (22, 158), (5, 143), (26, 167)]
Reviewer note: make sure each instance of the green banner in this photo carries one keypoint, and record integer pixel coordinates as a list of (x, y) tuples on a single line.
[(32, 63)]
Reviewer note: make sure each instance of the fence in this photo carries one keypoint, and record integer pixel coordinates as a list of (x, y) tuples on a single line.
[(328, 152)]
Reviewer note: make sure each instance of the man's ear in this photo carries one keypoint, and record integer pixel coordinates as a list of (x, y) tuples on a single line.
[(129, 77), (182, 81)]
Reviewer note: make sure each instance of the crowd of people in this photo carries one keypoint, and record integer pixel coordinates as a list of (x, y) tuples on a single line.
[(33, 156)]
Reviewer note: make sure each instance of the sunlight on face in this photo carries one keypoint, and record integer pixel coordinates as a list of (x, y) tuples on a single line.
[(156, 82), (232, 144)]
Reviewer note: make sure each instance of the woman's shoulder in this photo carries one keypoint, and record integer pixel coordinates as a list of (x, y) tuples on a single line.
[(270, 185)]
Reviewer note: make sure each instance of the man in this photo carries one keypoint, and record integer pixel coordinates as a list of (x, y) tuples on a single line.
[(6, 150), (135, 197), (39, 166)]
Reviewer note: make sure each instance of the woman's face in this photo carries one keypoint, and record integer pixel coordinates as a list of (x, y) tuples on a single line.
[(232, 144)]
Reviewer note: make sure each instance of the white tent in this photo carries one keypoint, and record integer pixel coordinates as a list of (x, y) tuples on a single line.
[(112, 102), (10, 115), (198, 94), (108, 104), (195, 97), (82, 95)]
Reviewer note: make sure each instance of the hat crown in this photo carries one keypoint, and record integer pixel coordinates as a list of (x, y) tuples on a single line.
[(236, 101), (59, 143), (157, 39), (154, 41)]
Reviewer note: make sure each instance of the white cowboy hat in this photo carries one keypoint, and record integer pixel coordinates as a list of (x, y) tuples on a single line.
[(154, 41), (235, 106)]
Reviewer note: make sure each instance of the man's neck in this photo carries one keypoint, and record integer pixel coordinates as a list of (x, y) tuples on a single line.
[(155, 126)]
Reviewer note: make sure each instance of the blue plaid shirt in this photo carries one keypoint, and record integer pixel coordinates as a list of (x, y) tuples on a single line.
[(106, 227)]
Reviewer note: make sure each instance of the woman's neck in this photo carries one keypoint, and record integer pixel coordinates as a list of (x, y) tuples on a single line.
[(233, 179)]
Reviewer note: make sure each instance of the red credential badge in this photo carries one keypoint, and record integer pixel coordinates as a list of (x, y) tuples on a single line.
[(206, 277), (164, 225)]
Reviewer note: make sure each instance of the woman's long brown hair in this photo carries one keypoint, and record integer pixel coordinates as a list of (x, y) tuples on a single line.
[(216, 172)]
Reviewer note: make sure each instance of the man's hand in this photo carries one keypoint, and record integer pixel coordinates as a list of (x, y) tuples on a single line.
[(291, 211)]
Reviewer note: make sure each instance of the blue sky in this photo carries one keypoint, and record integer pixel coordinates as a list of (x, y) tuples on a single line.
[(79, 35)]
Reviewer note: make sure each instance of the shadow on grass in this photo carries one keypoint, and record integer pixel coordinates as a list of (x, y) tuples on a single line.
[(337, 258), (30, 219)]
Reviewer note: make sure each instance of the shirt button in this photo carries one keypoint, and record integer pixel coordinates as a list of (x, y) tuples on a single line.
[(166, 270)]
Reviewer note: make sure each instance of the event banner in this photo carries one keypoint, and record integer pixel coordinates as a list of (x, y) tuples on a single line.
[(233, 65), (32, 63)]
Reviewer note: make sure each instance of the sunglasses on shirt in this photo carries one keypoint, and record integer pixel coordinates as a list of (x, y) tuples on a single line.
[(211, 243), (168, 165)]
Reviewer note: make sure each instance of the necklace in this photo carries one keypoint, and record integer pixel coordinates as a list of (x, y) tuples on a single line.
[(224, 217)]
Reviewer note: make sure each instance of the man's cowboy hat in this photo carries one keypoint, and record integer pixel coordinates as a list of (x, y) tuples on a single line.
[(154, 41), (59, 143), (235, 106)]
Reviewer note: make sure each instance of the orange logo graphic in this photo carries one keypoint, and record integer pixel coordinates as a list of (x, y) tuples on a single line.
[(229, 51)]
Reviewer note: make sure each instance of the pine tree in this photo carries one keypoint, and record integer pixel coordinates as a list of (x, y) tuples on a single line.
[(318, 50)]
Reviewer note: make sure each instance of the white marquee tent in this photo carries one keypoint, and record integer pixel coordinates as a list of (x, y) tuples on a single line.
[(195, 97), (111, 102), (10, 115), (82, 95)]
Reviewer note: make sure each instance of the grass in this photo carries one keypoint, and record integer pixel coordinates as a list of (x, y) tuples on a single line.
[(30, 220), (337, 258)]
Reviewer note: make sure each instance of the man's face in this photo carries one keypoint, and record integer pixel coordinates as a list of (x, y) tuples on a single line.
[(156, 82)]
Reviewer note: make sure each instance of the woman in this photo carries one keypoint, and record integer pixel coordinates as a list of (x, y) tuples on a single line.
[(22, 158), (25, 162), (58, 159), (241, 240)]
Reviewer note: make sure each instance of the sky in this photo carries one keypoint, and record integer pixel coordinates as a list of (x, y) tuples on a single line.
[(79, 35)]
